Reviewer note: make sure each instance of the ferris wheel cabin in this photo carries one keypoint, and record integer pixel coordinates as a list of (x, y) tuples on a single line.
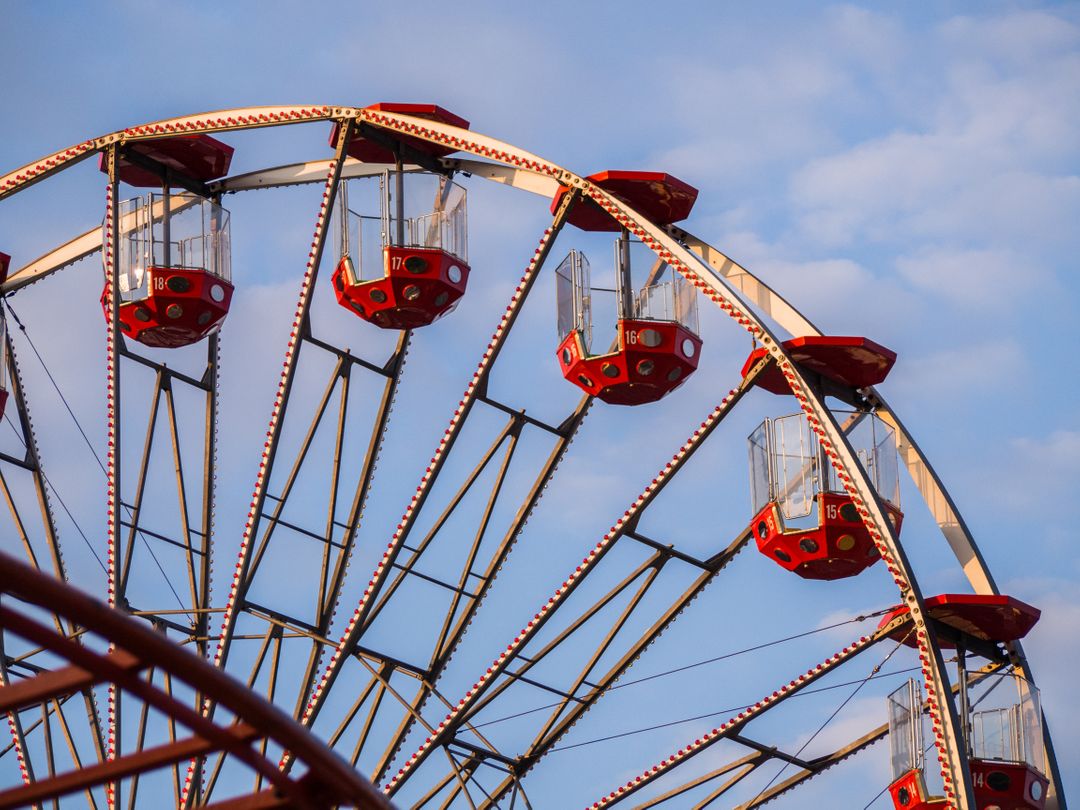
[(804, 520), (1001, 716), (403, 259), (656, 344), (174, 284)]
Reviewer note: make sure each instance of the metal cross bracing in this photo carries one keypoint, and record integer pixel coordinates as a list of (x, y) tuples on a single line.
[(67, 728), (478, 569), (162, 562), (585, 688), (156, 556), (822, 763), (732, 728), (133, 647), (735, 291), (479, 562), (616, 642), (281, 628)]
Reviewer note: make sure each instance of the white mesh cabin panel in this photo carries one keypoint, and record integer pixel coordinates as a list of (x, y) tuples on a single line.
[(761, 484), (905, 729), (795, 452)]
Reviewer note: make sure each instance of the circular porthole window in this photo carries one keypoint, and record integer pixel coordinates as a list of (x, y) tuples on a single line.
[(142, 314), (609, 370), (217, 293), (174, 311), (1036, 790), (845, 542), (998, 780), (849, 513), (178, 284), (204, 318), (416, 265), (567, 356), (650, 338), (688, 347), (411, 293), (585, 381), (378, 296), (809, 545), (453, 272), (674, 374), (441, 299), (783, 556), (645, 367)]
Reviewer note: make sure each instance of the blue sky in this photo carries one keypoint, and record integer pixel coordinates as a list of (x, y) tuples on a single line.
[(907, 172)]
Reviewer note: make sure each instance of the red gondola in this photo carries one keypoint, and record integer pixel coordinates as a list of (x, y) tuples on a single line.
[(404, 255), (656, 345), (402, 268), (174, 283), (1001, 720), (804, 519)]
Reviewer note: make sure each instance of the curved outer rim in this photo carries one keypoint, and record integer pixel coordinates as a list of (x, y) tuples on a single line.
[(696, 261)]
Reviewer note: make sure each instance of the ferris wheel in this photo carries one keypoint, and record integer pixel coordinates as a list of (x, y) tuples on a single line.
[(438, 608)]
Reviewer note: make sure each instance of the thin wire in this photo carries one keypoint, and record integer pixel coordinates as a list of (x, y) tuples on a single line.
[(654, 676), (736, 709), (831, 717), (22, 328), (93, 452), (880, 794), (49, 484), (927, 749)]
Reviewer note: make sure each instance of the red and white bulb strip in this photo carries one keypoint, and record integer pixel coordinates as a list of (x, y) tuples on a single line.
[(456, 421), (474, 144), (256, 117), (448, 725), (731, 725), (34, 171), (744, 319), (806, 403), (17, 740), (111, 483), (264, 117), (261, 478), (20, 751), (486, 147)]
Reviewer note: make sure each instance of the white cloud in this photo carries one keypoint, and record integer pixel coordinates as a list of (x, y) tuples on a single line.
[(1053, 647), (990, 158), (972, 278), (839, 294), (954, 147), (1020, 37), (958, 373), (1040, 472)]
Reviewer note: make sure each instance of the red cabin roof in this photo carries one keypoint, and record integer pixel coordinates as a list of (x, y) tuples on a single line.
[(5, 261), (853, 361), (986, 617), (370, 152), (660, 197), (198, 156)]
